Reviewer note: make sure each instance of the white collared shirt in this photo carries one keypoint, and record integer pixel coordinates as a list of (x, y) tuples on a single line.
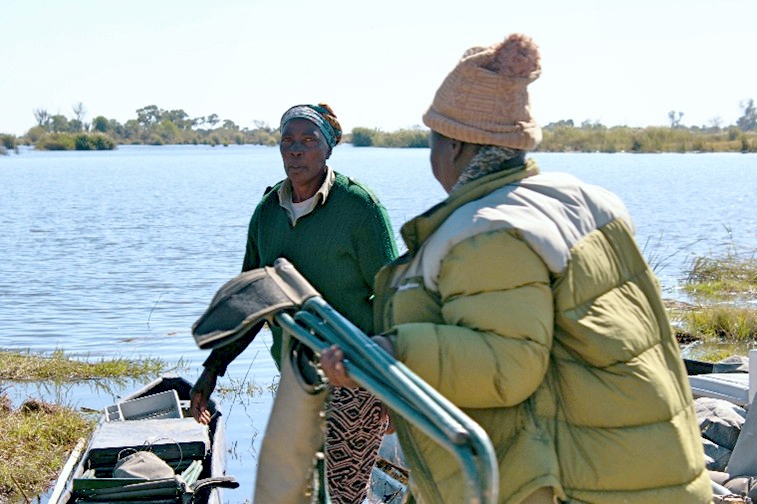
[(298, 210)]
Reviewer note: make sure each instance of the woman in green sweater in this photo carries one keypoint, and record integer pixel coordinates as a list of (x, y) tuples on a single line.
[(337, 234)]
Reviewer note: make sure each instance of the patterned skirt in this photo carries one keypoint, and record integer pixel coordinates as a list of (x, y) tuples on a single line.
[(354, 430)]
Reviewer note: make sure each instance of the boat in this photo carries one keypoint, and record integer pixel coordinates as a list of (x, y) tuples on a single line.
[(723, 393), (150, 424), (733, 380)]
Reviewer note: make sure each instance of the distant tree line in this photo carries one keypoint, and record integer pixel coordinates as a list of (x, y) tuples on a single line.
[(365, 137), (151, 126), (565, 136), (155, 126)]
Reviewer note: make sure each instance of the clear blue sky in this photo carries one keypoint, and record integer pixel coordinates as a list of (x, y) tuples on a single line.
[(378, 64)]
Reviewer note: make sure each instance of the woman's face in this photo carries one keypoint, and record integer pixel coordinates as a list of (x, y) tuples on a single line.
[(442, 160), (304, 151)]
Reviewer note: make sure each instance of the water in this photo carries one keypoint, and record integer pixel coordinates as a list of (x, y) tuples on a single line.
[(116, 254)]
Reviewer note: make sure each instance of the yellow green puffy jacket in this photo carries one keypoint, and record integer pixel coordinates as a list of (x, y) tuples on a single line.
[(524, 299)]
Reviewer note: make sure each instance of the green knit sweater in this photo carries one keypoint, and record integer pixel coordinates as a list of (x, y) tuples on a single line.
[(338, 248)]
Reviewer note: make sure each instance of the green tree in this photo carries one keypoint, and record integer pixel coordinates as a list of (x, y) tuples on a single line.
[(35, 133), (715, 124), (58, 123), (179, 118), (559, 124), (363, 137), (100, 123), (149, 115), (132, 130), (748, 121), (168, 131), (79, 113), (212, 119), (675, 119), (75, 126), (262, 125), (116, 128), (229, 125), (43, 118)]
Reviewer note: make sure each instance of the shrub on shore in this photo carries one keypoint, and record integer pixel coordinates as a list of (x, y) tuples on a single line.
[(75, 141), (8, 141), (413, 138)]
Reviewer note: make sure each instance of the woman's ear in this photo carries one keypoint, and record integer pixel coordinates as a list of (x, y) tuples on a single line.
[(456, 149), (464, 153)]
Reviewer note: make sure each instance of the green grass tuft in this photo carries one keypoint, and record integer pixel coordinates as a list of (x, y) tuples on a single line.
[(58, 367), (723, 323), (35, 441), (734, 275)]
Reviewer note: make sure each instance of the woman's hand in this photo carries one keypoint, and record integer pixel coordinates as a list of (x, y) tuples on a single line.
[(332, 362), (200, 395)]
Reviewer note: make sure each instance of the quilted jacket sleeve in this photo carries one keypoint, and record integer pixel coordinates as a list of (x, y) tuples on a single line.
[(496, 303)]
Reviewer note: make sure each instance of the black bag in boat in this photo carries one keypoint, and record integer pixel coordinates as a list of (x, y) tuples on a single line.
[(249, 299)]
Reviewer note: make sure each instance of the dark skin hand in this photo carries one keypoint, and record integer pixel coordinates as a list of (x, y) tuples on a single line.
[(200, 393), (332, 364)]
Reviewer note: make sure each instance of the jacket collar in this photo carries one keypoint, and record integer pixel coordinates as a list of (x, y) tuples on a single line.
[(417, 230)]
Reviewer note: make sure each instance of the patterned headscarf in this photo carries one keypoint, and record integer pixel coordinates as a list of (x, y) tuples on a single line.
[(321, 115)]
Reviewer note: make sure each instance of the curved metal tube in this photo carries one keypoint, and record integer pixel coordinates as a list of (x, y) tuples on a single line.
[(318, 325), (478, 440)]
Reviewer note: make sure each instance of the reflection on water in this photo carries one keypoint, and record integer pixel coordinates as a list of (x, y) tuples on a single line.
[(116, 254)]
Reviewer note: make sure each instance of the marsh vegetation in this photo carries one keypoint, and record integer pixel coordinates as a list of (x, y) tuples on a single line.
[(723, 322), (37, 436)]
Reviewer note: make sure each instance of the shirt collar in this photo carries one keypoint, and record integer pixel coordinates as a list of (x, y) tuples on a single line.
[(320, 196)]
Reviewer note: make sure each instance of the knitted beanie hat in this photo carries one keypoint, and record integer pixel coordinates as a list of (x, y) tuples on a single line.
[(484, 99)]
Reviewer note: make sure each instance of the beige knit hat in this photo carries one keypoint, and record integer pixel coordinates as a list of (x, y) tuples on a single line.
[(484, 99)]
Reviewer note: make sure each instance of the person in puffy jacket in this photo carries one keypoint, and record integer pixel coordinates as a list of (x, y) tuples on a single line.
[(524, 299)]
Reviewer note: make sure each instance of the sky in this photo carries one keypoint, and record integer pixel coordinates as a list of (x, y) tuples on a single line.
[(377, 64)]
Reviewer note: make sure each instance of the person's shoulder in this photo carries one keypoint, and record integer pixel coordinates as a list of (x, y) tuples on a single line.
[(271, 192), (354, 189), (268, 200)]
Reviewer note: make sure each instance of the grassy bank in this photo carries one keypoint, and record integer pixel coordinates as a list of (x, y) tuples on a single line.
[(565, 137), (723, 321), (60, 368), (37, 436), (35, 442)]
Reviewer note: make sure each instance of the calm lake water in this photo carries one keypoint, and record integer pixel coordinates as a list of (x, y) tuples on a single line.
[(116, 254)]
